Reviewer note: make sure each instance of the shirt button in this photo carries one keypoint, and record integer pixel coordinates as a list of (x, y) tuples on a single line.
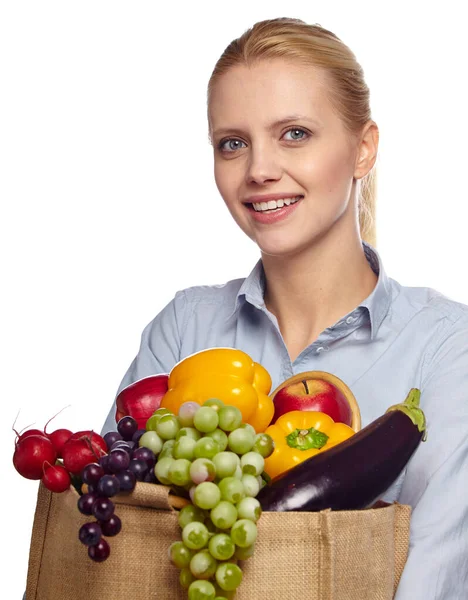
[(349, 320), (322, 348)]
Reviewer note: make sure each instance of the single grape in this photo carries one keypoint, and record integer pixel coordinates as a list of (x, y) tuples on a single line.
[(184, 447), (186, 578), (231, 489), (205, 419), (179, 472), (221, 546), (264, 445), (111, 437), (162, 411), (206, 447), (152, 421), (244, 553), (123, 445), (202, 469), (108, 486), (203, 565), (190, 432), (103, 509), (150, 477), (225, 464), (230, 418), (251, 485), (220, 438), (161, 470), (187, 411), (201, 590), (152, 441), (207, 495), (249, 508), (195, 535), (252, 463), (244, 533), (190, 513), (179, 555), (92, 473), (167, 450), (224, 515), (100, 551), (168, 427), (118, 460), (145, 453), (111, 527), (137, 435), (127, 427), (104, 462), (90, 534), (241, 441), (85, 503), (127, 481), (250, 428), (139, 468), (214, 403), (228, 576)]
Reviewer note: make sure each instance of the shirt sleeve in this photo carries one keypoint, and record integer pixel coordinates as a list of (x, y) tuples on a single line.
[(159, 349), (436, 481)]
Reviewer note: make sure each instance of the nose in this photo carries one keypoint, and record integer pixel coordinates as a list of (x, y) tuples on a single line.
[(263, 167)]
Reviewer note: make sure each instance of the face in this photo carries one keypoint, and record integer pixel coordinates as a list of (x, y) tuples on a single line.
[(279, 145)]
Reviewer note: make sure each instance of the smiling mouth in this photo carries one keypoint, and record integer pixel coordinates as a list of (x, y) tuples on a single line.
[(273, 205)]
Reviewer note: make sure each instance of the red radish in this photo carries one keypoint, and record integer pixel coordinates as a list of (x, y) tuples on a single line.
[(27, 433), (31, 452), (56, 479), (58, 438), (82, 448)]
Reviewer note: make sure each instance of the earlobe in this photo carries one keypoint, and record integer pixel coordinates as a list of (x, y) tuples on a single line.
[(368, 149)]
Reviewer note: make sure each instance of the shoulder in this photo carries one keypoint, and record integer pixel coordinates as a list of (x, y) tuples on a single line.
[(435, 306), (224, 294)]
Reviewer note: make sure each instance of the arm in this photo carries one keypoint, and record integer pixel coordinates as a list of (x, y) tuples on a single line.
[(436, 483), (159, 349)]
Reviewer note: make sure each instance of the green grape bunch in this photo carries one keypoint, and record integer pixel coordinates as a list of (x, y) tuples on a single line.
[(208, 452)]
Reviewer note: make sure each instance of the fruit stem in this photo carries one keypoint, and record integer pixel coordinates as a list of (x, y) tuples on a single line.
[(410, 407), (306, 439), (304, 383)]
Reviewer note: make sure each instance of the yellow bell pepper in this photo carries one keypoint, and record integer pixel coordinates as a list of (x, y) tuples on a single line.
[(298, 435), (225, 373)]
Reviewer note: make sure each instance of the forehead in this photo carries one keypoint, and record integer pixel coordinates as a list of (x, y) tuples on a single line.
[(270, 90)]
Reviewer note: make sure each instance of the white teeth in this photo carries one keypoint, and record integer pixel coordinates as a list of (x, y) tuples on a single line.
[(274, 204)]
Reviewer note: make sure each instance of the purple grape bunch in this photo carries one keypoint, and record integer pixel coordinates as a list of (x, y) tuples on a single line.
[(118, 471)]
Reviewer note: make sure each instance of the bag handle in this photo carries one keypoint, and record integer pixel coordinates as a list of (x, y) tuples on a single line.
[(151, 495)]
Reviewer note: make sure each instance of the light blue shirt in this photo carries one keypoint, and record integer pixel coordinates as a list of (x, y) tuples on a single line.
[(398, 338)]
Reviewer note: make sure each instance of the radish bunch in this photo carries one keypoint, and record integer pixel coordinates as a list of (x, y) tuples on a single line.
[(55, 457)]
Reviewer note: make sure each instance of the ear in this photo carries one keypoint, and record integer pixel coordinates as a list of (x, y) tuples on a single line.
[(367, 149)]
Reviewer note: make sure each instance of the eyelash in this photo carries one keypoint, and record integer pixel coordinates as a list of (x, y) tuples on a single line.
[(223, 142)]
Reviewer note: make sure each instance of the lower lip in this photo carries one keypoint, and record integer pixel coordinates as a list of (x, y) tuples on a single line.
[(273, 217)]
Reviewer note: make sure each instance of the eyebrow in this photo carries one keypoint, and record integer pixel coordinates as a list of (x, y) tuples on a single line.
[(270, 127)]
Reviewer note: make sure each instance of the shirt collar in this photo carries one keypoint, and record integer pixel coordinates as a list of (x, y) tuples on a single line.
[(376, 305)]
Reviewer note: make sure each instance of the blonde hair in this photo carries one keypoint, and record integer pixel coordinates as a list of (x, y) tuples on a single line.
[(314, 46)]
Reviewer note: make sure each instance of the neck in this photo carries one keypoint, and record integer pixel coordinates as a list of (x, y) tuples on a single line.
[(313, 289)]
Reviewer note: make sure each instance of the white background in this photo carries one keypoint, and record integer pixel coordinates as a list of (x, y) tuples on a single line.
[(108, 201)]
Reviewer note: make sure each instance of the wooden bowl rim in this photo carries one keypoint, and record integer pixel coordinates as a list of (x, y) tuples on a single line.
[(330, 378)]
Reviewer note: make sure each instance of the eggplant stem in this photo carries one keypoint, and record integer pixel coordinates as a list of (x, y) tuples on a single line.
[(410, 407)]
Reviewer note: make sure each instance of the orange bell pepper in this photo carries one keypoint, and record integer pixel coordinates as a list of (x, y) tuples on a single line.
[(298, 435), (225, 373)]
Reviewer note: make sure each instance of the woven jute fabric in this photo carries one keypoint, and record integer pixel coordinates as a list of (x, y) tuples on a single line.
[(330, 555)]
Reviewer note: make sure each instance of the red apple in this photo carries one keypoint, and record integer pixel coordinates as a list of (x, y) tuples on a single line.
[(321, 391), (141, 398)]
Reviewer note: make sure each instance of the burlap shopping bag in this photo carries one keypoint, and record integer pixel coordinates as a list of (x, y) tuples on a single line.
[(342, 555)]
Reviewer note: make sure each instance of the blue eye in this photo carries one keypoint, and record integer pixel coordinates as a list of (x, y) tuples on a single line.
[(231, 145), (296, 130)]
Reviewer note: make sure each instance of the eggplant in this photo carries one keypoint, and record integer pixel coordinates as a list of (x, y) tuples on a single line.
[(355, 473)]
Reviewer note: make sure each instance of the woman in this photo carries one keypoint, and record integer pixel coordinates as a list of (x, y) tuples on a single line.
[(294, 150)]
